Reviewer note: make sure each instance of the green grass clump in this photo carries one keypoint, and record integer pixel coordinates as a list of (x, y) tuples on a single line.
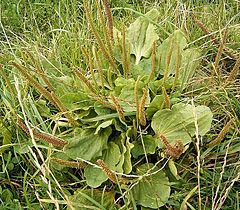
[(79, 117)]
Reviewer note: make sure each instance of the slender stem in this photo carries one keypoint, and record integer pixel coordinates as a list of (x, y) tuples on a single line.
[(70, 164), (109, 18), (153, 62), (142, 116), (234, 71), (97, 36), (177, 73), (42, 136), (49, 95)]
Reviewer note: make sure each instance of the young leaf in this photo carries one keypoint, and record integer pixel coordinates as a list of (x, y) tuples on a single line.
[(151, 191), (120, 141), (141, 35), (179, 122)]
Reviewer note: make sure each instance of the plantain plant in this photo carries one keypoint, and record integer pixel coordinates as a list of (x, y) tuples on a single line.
[(123, 115)]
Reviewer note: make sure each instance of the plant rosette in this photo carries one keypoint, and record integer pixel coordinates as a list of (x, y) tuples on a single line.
[(128, 108)]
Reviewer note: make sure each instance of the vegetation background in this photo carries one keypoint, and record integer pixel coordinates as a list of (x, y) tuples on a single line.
[(57, 30)]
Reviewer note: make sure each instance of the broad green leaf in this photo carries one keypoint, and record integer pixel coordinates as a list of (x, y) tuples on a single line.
[(142, 68), (125, 89), (120, 141), (7, 135), (76, 101), (144, 208), (7, 196), (83, 113), (86, 144), (120, 83), (107, 117), (57, 166), (111, 156), (117, 35), (85, 199), (119, 126), (152, 191), (123, 141), (148, 145), (94, 176), (22, 148), (179, 122), (173, 42), (190, 61), (155, 105), (127, 165), (141, 35), (101, 109), (156, 85)]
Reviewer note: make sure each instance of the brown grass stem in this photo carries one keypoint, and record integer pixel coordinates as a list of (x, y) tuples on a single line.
[(234, 71), (70, 164), (136, 100), (167, 102), (83, 78), (219, 53), (228, 51), (168, 61), (99, 68), (177, 72), (109, 18), (89, 60), (97, 36), (111, 175), (222, 134), (153, 67), (141, 111), (42, 136), (118, 107), (50, 96), (7, 80)]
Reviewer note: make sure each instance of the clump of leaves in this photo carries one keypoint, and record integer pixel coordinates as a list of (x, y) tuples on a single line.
[(124, 104)]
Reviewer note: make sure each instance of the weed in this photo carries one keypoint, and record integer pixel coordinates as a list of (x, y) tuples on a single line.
[(115, 100)]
